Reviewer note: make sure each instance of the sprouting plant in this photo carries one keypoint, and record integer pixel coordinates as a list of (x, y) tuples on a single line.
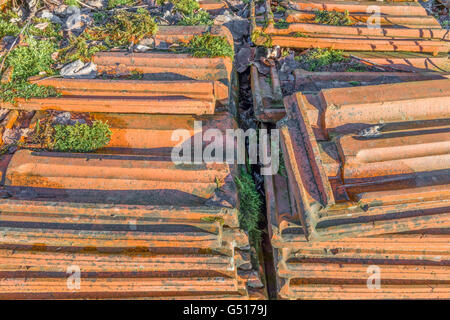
[(333, 18), (250, 205), (10, 91), (72, 3), (115, 3), (32, 59), (318, 57), (124, 28), (281, 24), (201, 17), (7, 27), (79, 48), (99, 17), (186, 7), (300, 35), (208, 45), (28, 61), (48, 29), (81, 137), (260, 38), (136, 75), (279, 9)]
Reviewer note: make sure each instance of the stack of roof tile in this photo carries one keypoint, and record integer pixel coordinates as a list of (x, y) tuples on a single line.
[(130, 220), (295, 27), (268, 98), (365, 192), (404, 35)]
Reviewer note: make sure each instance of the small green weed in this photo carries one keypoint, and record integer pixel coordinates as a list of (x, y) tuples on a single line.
[(281, 24), (199, 18), (78, 48), (316, 58), (260, 38), (208, 45), (333, 18), (115, 3), (71, 3), (81, 137), (124, 28), (300, 35), (250, 206)]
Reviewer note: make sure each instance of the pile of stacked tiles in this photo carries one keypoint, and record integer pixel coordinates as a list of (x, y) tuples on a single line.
[(365, 191), (360, 209), (400, 23), (126, 221), (399, 26)]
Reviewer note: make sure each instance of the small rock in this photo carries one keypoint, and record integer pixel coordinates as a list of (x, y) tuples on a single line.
[(70, 10), (223, 18), (46, 14), (262, 68), (77, 21), (238, 26), (62, 118), (74, 121), (163, 45), (255, 282), (78, 69), (141, 48), (274, 53), (370, 132), (167, 7), (26, 132), (148, 42), (32, 5), (243, 59), (11, 136), (260, 10), (60, 10), (283, 76), (288, 63), (266, 89)]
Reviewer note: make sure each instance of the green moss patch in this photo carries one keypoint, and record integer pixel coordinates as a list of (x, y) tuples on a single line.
[(199, 18), (250, 206), (333, 18), (281, 24), (259, 38), (116, 3), (81, 137), (124, 28), (27, 61), (317, 58), (208, 45)]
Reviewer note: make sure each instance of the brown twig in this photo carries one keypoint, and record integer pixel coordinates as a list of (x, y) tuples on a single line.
[(86, 5)]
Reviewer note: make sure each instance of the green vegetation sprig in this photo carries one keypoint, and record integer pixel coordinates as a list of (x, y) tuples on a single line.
[(333, 18), (81, 137), (250, 206), (317, 58), (208, 45)]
